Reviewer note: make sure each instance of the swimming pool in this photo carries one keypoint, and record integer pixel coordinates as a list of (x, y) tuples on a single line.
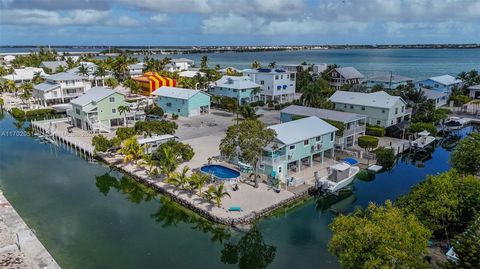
[(220, 171)]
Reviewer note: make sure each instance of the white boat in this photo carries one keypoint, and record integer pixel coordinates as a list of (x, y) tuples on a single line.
[(453, 123), (423, 140), (339, 176)]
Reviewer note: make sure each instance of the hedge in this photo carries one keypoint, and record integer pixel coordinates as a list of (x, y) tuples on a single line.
[(375, 131), (21, 115), (367, 142)]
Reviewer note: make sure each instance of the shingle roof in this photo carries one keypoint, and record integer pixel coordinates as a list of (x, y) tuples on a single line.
[(376, 99), (432, 94), (233, 82), (446, 80), (174, 92), (94, 94), (298, 130), (393, 78), (45, 86), (344, 117), (64, 76), (349, 72)]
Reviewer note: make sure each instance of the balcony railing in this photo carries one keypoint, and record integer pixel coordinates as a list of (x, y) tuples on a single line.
[(354, 130), (272, 160)]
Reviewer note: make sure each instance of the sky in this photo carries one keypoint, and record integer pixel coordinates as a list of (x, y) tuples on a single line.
[(238, 22)]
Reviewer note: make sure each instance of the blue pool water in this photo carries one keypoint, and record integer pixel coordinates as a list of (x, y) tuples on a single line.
[(220, 171)]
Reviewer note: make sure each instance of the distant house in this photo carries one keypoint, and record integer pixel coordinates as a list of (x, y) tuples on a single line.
[(23, 75), (97, 110), (299, 144), (443, 83), (315, 69), (135, 70), (59, 88), (438, 98), (388, 81), (151, 81), (180, 64), (474, 91), (240, 88), (52, 66), (91, 68), (182, 102), (381, 108), (152, 143), (319, 69), (353, 124), (341, 76), (276, 84), (190, 74)]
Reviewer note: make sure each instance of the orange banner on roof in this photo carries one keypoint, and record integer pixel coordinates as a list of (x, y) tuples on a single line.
[(151, 81)]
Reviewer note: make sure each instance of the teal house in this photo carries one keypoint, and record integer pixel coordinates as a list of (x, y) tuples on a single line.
[(182, 102), (241, 88), (299, 145)]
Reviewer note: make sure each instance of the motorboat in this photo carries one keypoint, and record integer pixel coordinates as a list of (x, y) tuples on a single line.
[(338, 177), (424, 139), (453, 123)]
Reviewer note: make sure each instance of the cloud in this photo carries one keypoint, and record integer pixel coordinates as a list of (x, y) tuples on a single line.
[(36, 17), (159, 18), (56, 4), (125, 21)]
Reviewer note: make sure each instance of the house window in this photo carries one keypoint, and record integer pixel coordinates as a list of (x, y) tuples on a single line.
[(396, 110), (363, 108), (169, 104), (391, 122), (77, 111), (318, 139), (345, 106), (292, 147), (403, 109), (178, 110), (262, 82), (114, 110), (261, 167), (111, 99), (276, 77), (379, 122), (279, 169), (305, 142), (383, 111), (420, 84), (351, 106), (331, 136), (436, 85)]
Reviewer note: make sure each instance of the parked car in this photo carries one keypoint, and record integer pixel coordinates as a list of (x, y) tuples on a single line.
[(153, 117)]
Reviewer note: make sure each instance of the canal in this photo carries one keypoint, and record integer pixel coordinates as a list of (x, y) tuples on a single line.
[(90, 217)]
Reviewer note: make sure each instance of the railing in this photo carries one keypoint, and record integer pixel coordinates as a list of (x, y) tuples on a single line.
[(354, 130), (274, 160)]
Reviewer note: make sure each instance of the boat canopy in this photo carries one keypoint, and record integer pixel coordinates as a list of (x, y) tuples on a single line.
[(350, 161), (340, 166)]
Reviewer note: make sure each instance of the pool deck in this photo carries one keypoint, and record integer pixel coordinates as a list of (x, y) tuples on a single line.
[(19, 247), (254, 202)]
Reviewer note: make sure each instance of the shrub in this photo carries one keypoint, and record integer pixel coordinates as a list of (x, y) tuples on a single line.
[(125, 132), (257, 103), (184, 151), (368, 142), (149, 128), (154, 110), (17, 113), (339, 125), (174, 116), (385, 157), (421, 126), (375, 131), (101, 143)]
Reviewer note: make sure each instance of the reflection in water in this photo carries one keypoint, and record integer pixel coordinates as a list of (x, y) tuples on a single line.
[(250, 252), (335, 203), (450, 142), (169, 213)]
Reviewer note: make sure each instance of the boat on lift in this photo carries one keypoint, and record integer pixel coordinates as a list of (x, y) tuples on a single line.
[(424, 139), (453, 124), (339, 176)]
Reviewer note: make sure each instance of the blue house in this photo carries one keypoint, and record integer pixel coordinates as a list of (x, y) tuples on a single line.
[(240, 88), (299, 144), (183, 102), (443, 83)]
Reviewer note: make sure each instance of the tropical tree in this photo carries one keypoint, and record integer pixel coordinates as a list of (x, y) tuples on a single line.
[(2, 103), (256, 65), (466, 157), (178, 179), (100, 72), (132, 85), (150, 163), (198, 180), (204, 62), (37, 78), (111, 82), (26, 94), (272, 64), (219, 193), (368, 143), (123, 110), (467, 248), (169, 161), (120, 68), (131, 150), (10, 86), (379, 237), (246, 141), (246, 112), (83, 70)]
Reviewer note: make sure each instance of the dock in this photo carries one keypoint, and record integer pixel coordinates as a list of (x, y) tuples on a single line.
[(19, 246)]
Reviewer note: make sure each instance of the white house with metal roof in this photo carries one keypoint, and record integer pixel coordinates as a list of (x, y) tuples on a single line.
[(97, 110), (474, 91), (191, 74), (443, 83), (389, 81), (179, 64), (276, 84), (341, 76), (135, 70), (380, 108), (52, 66), (298, 145), (353, 124), (90, 68), (59, 88), (182, 102), (241, 88), (24, 75), (437, 97)]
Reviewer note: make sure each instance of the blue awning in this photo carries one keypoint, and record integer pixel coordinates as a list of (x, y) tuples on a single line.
[(350, 161)]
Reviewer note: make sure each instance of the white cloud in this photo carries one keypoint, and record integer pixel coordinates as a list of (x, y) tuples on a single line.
[(125, 21), (42, 17), (159, 18)]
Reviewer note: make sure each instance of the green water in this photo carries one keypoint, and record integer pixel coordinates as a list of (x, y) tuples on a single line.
[(90, 217)]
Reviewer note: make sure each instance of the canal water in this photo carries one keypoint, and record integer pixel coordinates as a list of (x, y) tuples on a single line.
[(90, 217)]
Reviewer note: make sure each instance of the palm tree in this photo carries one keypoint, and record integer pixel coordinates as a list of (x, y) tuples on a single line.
[(10, 86), (178, 179), (219, 193), (204, 62), (272, 64), (37, 78), (148, 160), (120, 67), (132, 85), (256, 65), (26, 92), (198, 180), (83, 70), (123, 110), (248, 113), (310, 95), (132, 150), (254, 93), (111, 82), (169, 160), (99, 72)]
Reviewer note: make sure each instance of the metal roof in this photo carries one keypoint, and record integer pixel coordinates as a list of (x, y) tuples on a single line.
[(234, 82), (53, 65), (349, 72), (156, 138), (344, 117), (446, 80), (181, 60), (432, 94), (46, 86), (63, 76), (94, 94), (474, 87), (298, 130), (375, 99), (174, 92)]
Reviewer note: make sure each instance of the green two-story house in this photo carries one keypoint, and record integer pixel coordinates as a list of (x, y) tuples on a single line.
[(299, 144), (97, 110), (241, 88), (380, 108)]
